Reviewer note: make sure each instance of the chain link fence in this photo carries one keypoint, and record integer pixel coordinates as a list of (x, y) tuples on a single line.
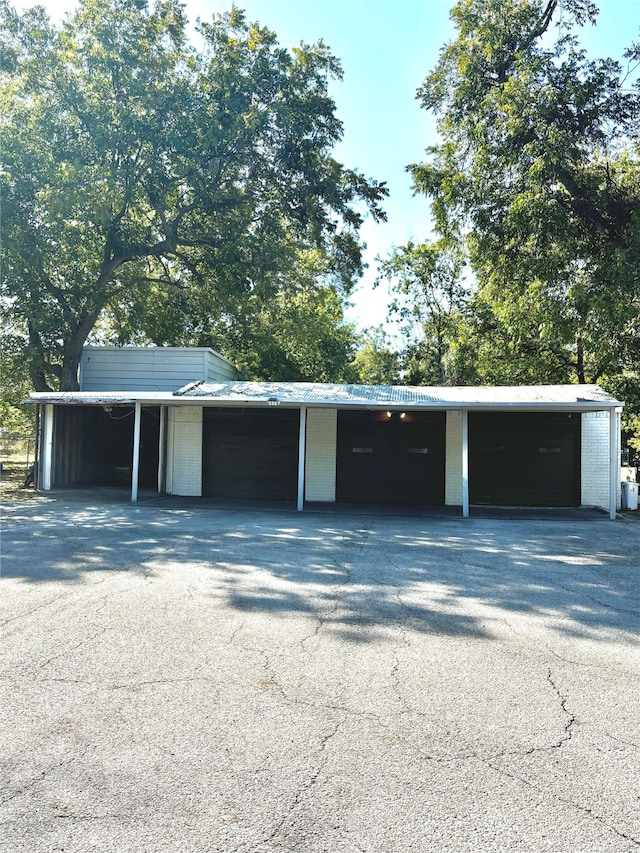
[(17, 455)]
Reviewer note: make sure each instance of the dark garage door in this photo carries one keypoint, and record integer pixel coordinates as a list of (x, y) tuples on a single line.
[(524, 459), (391, 460), (94, 446), (251, 453)]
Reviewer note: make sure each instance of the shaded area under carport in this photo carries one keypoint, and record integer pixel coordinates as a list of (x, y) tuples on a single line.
[(114, 494)]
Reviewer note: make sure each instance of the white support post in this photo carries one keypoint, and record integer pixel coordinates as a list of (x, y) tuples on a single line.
[(162, 451), (46, 452), (302, 452), (465, 463), (136, 451), (614, 462)]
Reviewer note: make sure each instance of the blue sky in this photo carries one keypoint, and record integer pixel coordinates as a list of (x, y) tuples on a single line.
[(386, 48)]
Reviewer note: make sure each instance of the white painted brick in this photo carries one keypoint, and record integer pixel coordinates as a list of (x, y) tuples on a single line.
[(320, 466), (595, 459), (184, 450), (453, 460)]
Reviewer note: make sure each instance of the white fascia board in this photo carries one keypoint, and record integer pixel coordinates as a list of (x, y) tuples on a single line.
[(589, 406), (582, 406), (101, 398)]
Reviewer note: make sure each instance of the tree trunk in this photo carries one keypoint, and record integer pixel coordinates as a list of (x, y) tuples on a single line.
[(580, 362), (72, 353), (37, 366), (38, 377)]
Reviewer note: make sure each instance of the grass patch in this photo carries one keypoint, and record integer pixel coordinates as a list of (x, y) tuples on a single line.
[(16, 456), (12, 486)]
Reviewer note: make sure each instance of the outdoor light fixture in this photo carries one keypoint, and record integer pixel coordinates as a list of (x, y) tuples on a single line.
[(388, 414), (403, 415)]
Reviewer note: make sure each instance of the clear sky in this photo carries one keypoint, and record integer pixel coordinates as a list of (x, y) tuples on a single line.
[(386, 47)]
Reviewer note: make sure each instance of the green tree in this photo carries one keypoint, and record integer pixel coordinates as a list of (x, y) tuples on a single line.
[(538, 170), (298, 337), (376, 361), (138, 174), (15, 384), (429, 281), (289, 325)]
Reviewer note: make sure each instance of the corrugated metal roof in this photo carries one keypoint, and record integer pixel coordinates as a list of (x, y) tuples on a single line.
[(585, 397), (101, 398), (394, 395)]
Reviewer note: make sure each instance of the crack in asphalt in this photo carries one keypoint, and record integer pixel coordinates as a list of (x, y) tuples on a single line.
[(25, 788), (25, 614), (234, 633), (344, 564), (87, 599), (271, 680), (156, 682), (299, 795), (82, 644), (568, 734), (327, 729), (571, 719), (565, 800), (394, 672), (604, 604), (622, 741)]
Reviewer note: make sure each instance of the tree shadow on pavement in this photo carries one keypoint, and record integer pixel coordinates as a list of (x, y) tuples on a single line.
[(356, 575)]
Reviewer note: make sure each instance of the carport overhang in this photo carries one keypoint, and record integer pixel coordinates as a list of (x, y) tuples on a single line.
[(303, 396)]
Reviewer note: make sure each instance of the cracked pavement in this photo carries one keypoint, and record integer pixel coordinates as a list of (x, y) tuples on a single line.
[(177, 678)]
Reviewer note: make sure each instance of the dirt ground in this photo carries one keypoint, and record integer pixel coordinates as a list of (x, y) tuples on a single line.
[(12, 483)]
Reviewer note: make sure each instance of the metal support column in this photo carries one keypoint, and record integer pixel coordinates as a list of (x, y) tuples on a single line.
[(162, 451), (37, 473), (47, 448), (614, 461), (302, 452), (136, 451), (465, 463)]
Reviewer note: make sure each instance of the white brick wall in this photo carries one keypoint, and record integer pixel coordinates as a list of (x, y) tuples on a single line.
[(453, 460), (320, 468), (595, 459), (184, 451)]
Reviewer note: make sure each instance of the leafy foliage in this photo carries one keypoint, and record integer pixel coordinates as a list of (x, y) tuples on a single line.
[(537, 176), (429, 280), (376, 361), (14, 385), (138, 174)]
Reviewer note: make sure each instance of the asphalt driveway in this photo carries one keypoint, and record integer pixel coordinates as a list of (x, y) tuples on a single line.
[(198, 679)]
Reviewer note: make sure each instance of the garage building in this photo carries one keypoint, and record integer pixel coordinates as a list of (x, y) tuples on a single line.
[(306, 443)]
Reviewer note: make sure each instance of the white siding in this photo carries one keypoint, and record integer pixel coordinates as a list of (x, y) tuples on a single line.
[(320, 467), (453, 460), (595, 459), (184, 451), (150, 368)]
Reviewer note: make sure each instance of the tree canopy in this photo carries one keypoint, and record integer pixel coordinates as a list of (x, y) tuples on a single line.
[(142, 178), (536, 179), (431, 292)]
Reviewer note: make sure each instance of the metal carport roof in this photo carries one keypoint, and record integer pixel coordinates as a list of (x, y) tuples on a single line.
[(525, 397)]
